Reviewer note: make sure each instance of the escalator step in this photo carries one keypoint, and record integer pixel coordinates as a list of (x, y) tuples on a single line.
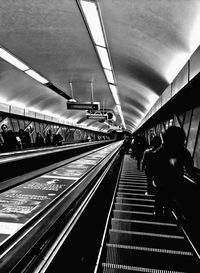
[(135, 200), (149, 257), (133, 183), (129, 191), (127, 206), (119, 268), (131, 187), (145, 226), (140, 215), (134, 195), (147, 239)]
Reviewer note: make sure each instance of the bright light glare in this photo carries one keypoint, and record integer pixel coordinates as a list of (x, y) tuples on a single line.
[(3, 100), (114, 93), (17, 104), (176, 65), (119, 109), (109, 76), (36, 76), (12, 60), (56, 116), (91, 14), (103, 55), (33, 109), (47, 113), (121, 115), (194, 37)]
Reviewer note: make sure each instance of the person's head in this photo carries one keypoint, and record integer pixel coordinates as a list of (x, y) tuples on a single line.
[(174, 136), (156, 141), (4, 127)]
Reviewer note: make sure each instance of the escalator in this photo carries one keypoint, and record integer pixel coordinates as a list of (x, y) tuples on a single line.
[(137, 241)]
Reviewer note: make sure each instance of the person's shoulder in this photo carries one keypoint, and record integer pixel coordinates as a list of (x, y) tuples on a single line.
[(186, 152), (159, 150)]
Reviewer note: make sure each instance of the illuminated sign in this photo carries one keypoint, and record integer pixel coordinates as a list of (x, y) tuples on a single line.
[(97, 116), (83, 106)]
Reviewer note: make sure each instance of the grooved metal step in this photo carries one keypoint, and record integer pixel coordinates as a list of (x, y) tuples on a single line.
[(120, 268), (144, 226), (149, 257)]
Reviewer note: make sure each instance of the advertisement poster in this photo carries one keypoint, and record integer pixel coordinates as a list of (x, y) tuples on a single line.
[(19, 205)]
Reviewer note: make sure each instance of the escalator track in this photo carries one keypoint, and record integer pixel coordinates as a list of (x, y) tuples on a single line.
[(137, 240)]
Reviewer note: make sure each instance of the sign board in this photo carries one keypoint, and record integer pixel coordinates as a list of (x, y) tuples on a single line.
[(97, 116), (83, 106)]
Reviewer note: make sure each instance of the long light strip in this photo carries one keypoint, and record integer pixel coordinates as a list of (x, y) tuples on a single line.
[(36, 76), (5, 55), (11, 59), (121, 115), (113, 89), (103, 55), (92, 17), (109, 76)]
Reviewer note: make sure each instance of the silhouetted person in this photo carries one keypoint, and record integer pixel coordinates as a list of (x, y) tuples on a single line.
[(25, 138), (9, 139), (170, 161), (139, 146), (39, 140), (49, 138), (147, 162), (127, 144), (58, 139)]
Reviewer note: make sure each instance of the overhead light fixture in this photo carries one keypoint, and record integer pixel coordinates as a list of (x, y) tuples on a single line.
[(36, 76), (113, 89), (92, 17), (8, 57), (103, 55), (109, 76), (121, 115)]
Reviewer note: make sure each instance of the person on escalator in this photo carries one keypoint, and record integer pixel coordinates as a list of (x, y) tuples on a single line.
[(147, 162), (170, 161), (9, 139), (140, 145)]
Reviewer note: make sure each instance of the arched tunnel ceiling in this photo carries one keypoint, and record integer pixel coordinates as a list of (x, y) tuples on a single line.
[(144, 38)]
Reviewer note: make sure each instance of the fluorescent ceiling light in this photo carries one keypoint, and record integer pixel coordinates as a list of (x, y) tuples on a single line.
[(114, 93), (103, 55), (119, 109), (121, 115), (93, 20), (12, 60), (36, 76), (109, 76)]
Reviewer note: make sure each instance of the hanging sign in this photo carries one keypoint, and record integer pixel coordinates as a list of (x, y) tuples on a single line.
[(83, 106)]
